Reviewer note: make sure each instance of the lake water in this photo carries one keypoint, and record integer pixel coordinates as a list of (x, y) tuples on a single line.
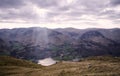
[(46, 62)]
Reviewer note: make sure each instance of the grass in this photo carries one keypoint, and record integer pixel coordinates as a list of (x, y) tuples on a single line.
[(92, 66)]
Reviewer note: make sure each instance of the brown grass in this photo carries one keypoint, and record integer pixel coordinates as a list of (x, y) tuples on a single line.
[(92, 66)]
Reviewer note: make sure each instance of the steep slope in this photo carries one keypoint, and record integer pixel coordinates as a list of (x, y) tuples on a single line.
[(113, 34), (102, 42), (97, 37), (90, 43), (4, 47), (68, 44)]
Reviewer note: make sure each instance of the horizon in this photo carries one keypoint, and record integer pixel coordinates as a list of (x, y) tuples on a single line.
[(59, 28)]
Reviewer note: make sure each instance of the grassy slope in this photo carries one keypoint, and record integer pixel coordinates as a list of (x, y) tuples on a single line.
[(93, 66), (10, 66)]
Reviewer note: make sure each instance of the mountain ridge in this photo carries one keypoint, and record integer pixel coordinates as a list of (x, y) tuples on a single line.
[(65, 44)]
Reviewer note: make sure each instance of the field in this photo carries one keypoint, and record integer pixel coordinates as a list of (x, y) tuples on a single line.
[(92, 66)]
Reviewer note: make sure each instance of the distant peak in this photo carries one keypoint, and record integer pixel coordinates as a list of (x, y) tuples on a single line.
[(91, 34)]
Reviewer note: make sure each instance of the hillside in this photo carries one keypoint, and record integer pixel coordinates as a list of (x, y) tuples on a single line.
[(13, 66), (92, 66), (62, 44)]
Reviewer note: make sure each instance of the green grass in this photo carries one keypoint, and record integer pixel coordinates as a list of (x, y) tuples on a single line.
[(92, 66)]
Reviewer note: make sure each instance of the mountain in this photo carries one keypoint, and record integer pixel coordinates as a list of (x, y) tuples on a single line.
[(97, 37), (4, 47), (62, 44)]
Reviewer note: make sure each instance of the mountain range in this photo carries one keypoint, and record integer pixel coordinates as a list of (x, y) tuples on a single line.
[(62, 44)]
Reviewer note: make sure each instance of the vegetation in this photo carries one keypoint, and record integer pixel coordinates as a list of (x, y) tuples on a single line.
[(64, 44), (12, 66), (92, 66)]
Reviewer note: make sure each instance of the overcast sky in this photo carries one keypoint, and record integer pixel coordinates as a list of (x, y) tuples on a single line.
[(60, 13)]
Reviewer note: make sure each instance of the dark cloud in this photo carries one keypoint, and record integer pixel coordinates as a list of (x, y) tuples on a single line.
[(45, 3), (115, 2), (11, 3)]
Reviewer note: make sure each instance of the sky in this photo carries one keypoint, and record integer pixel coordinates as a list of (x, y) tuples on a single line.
[(60, 13)]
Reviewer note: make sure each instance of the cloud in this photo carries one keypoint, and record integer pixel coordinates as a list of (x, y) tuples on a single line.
[(115, 2), (44, 3), (11, 3), (60, 11), (20, 14)]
